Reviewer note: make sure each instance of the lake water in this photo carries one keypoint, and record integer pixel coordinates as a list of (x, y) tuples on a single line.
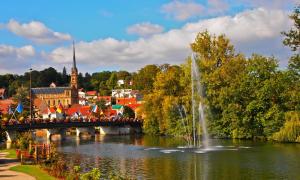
[(149, 157)]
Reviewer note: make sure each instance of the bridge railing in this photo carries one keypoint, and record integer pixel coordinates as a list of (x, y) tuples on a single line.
[(74, 121)]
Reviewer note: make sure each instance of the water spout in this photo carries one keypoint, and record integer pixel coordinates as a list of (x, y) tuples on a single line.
[(195, 76)]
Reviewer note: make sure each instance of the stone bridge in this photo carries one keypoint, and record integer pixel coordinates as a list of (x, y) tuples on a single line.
[(116, 127)]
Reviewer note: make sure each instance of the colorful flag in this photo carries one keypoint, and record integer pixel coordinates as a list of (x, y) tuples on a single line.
[(60, 108), (19, 108), (95, 109), (48, 110)]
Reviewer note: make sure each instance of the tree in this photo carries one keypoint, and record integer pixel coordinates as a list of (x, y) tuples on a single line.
[(292, 39), (128, 112), (112, 82), (101, 104), (145, 77)]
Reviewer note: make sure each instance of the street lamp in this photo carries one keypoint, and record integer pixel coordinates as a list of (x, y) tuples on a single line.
[(30, 94)]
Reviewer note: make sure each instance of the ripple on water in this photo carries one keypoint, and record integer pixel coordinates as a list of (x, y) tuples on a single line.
[(153, 148), (168, 151)]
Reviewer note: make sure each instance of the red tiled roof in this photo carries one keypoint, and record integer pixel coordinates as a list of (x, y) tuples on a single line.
[(91, 93), (4, 104), (84, 110), (45, 110), (126, 101)]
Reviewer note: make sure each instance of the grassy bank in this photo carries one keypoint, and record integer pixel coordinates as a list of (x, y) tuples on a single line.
[(11, 153), (33, 170)]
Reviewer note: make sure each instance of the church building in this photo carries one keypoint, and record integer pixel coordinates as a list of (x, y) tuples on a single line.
[(53, 96)]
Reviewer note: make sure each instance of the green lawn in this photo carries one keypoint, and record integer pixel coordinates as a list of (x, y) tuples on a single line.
[(11, 153), (33, 170)]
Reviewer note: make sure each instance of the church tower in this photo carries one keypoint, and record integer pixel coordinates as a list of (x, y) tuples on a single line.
[(74, 72), (74, 80)]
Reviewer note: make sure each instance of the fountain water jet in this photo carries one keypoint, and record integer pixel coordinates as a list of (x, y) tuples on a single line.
[(195, 76)]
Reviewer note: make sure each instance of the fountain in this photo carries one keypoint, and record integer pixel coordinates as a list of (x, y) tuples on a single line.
[(195, 77)]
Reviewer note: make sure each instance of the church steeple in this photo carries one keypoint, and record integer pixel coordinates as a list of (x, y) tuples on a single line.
[(74, 72), (74, 58)]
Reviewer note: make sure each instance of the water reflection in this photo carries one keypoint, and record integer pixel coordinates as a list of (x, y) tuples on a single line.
[(147, 157)]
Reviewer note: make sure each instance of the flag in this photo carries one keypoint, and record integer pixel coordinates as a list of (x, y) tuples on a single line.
[(121, 110), (10, 111), (60, 108), (95, 109), (48, 111), (19, 108)]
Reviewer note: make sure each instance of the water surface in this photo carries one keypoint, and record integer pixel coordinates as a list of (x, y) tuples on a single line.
[(148, 157)]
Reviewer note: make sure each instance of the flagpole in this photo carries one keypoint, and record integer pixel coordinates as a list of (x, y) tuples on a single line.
[(13, 115), (30, 95)]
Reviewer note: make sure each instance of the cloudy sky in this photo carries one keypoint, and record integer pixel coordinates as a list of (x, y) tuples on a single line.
[(128, 34)]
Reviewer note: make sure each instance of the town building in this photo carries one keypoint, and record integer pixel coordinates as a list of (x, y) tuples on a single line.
[(121, 93), (91, 95), (54, 96)]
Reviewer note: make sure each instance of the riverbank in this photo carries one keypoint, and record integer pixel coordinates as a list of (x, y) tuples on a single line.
[(12, 169)]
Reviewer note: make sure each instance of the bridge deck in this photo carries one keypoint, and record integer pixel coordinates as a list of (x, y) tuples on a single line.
[(52, 125)]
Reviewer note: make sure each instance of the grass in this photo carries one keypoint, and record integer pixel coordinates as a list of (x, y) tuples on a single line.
[(11, 153), (33, 170)]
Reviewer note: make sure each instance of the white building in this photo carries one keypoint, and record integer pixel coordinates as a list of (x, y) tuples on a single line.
[(121, 93), (82, 98)]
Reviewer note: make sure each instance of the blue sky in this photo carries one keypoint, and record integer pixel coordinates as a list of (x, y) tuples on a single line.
[(120, 34)]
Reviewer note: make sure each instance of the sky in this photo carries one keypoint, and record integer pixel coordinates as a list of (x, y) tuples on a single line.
[(129, 34)]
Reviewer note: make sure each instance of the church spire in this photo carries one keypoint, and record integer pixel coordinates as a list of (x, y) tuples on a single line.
[(74, 71), (74, 59)]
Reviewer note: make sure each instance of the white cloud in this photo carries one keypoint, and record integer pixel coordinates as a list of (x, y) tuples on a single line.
[(36, 32), (13, 59), (182, 10), (145, 29), (251, 31)]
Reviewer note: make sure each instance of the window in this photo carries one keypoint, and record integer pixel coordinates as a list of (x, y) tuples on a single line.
[(48, 102), (53, 102)]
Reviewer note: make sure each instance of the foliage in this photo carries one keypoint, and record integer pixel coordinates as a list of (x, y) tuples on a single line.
[(24, 140), (56, 164), (292, 39), (2, 133), (245, 97), (290, 132), (293, 35), (144, 79), (128, 112), (101, 104), (94, 174)]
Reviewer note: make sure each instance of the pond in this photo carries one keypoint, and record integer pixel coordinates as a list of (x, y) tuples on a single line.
[(155, 157)]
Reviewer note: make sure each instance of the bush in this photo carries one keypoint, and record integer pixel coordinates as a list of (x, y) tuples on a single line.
[(94, 174)]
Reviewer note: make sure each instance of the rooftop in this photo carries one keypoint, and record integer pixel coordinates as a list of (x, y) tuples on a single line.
[(49, 90)]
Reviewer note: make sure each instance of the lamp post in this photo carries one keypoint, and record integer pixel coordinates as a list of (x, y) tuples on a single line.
[(30, 95)]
